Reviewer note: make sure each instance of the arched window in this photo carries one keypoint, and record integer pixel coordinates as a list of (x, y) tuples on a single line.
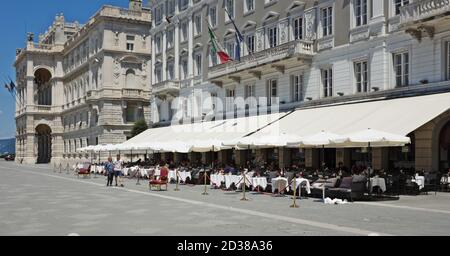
[(130, 78)]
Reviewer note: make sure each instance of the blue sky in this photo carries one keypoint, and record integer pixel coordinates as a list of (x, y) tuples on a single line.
[(21, 16)]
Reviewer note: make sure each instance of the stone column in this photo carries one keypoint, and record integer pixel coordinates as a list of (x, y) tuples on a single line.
[(312, 158), (284, 157), (240, 157), (380, 158)]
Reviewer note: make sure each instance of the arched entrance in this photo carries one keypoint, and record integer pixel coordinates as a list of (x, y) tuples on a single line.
[(42, 79), (44, 144), (444, 148)]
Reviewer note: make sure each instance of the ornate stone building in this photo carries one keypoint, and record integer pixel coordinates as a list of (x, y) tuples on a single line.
[(83, 85)]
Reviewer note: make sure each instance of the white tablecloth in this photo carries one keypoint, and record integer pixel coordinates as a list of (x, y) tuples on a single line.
[(280, 181), (172, 175), (259, 182), (230, 179), (217, 179), (184, 175), (240, 181), (299, 181), (97, 169), (380, 182), (420, 180)]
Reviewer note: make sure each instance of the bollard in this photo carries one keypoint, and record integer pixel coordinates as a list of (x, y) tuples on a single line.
[(244, 188), (178, 181), (205, 176), (294, 205)]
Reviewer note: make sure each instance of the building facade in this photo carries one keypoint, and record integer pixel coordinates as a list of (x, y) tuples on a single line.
[(299, 54), (83, 85)]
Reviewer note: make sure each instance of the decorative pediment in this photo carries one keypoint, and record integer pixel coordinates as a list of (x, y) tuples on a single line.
[(184, 51), (248, 25), (295, 6), (229, 32), (130, 59), (270, 16), (198, 46)]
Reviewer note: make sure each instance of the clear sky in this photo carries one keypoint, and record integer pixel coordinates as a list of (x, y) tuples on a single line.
[(21, 16)]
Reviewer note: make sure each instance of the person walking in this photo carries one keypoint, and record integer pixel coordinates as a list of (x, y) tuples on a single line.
[(118, 166), (109, 169)]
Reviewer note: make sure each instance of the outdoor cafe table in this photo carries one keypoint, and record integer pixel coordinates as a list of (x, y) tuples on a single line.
[(323, 182), (184, 175), (280, 183), (230, 179), (378, 182), (299, 181), (259, 182), (248, 181), (217, 179)]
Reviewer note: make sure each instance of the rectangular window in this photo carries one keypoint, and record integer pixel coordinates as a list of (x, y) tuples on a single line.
[(158, 42), (327, 82), (130, 43), (198, 64), (183, 4), (250, 95), (361, 12), (170, 38), (327, 21), (230, 94), (361, 76), (298, 28), (229, 4), (130, 114), (184, 69), (398, 4), (158, 74), (229, 46), (170, 71), (213, 16), (184, 31), (272, 92), (198, 24), (273, 36), (249, 91), (158, 14), (251, 44), (170, 7), (401, 67), (297, 88), (249, 5)]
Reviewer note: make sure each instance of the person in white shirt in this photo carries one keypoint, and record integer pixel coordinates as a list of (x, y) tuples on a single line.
[(118, 174)]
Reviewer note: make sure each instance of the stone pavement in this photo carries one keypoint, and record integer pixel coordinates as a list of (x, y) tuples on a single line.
[(36, 201)]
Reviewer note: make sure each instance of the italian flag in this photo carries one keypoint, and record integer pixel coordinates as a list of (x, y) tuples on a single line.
[(217, 48)]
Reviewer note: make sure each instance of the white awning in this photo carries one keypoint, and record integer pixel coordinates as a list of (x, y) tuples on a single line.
[(399, 116), (200, 137)]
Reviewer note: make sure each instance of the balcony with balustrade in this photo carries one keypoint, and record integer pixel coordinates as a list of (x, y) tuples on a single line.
[(421, 17), (166, 88), (279, 58)]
